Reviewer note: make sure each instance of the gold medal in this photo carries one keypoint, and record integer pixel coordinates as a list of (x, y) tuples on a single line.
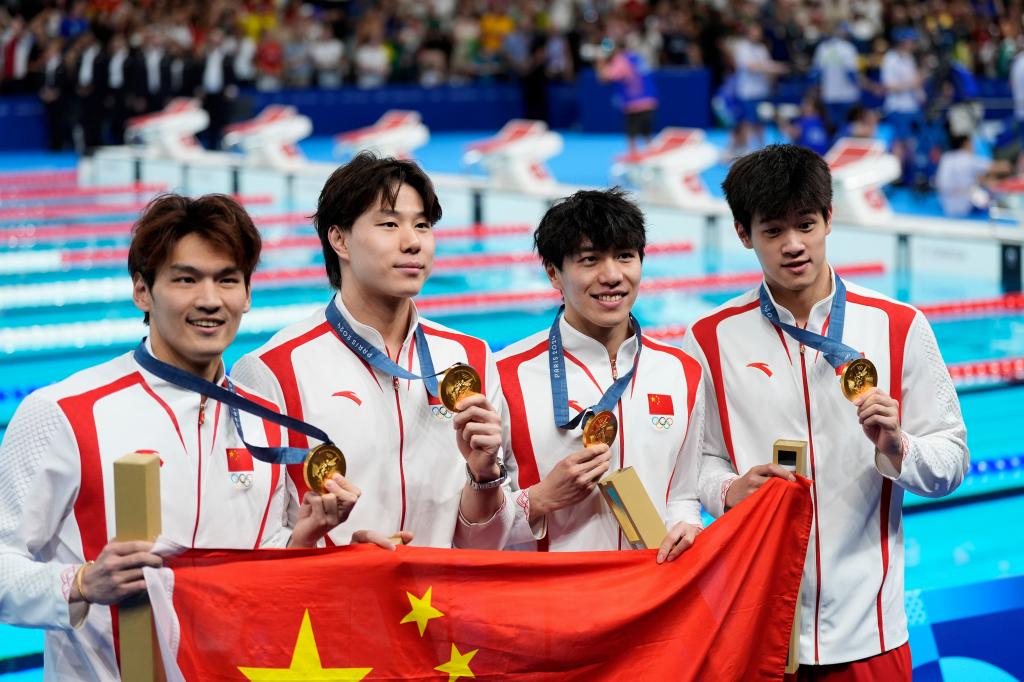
[(458, 381), (321, 464), (601, 428), (857, 377)]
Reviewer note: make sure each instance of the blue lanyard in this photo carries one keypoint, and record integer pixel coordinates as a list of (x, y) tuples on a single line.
[(560, 388), (235, 402), (836, 352), (378, 360)]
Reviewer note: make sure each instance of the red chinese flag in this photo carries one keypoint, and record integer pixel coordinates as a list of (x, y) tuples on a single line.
[(660, 404), (722, 611), (239, 459)]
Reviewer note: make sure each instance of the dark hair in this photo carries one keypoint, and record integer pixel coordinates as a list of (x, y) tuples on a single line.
[(353, 188), (607, 219), (775, 181), (168, 218)]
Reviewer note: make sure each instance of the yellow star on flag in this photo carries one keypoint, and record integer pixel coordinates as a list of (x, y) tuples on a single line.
[(305, 663), (458, 665), (422, 611)]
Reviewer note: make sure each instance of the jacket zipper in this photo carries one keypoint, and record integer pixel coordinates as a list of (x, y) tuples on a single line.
[(401, 448), (814, 495), (199, 473)]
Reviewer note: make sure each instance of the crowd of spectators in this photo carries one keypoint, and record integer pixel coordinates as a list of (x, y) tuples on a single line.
[(96, 62)]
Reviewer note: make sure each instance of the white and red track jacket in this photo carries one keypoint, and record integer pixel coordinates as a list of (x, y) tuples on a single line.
[(57, 495), (398, 441), (763, 386), (660, 417)]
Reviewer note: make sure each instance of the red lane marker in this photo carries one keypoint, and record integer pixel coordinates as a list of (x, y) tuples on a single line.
[(69, 192), (998, 304), (700, 283), (670, 331), (985, 371), (479, 230), (49, 177), (68, 231), (91, 210)]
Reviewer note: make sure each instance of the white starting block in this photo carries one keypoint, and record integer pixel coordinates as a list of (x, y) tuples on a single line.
[(860, 168), (397, 133), (273, 164), (669, 168), (269, 139), (514, 158), (163, 149)]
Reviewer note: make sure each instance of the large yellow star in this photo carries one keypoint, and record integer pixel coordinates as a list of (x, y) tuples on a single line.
[(422, 611), (458, 665), (305, 663)]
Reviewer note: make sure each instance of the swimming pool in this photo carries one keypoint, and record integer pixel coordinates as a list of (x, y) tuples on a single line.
[(67, 306)]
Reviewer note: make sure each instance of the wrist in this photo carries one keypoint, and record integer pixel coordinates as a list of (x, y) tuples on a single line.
[(539, 505), (483, 474), (78, 591)]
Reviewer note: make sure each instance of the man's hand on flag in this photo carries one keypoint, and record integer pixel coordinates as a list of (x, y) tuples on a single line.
[(116, 574), (375, 537), (744, 486), (677, 541), (320, 513), (570, 481)]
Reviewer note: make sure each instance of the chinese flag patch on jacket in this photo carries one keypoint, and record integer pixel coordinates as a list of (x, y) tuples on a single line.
[(660, 404), (239, 459)]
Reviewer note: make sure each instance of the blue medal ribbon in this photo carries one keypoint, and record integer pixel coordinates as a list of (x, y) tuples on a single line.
[(831, 346), (229, 396), (378, 360), (560, 388)]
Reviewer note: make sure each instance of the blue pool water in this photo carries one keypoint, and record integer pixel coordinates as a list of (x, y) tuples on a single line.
[(974, 541)]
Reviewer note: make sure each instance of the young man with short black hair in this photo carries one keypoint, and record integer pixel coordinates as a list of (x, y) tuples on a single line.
[(594, 360), (361, 368), (787, 360), (191, 261)]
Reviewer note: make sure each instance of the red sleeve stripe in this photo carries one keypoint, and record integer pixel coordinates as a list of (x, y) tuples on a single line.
[(475, 349), (90, 505), (279, 361), (705, 331), (522, 444)]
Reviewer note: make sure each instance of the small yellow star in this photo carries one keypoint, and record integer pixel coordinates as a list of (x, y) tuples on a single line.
[(422, 611), (458, 665), (305, 663)]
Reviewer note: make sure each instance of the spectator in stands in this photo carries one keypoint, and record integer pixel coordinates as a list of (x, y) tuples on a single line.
[(372, 59), (216, 85), (963, 177), (1017, 90), (328, 56), (635, 91), (755, 75), (904, 94), (54, 92), (835, 65), (270, 62), (91, 90), (810, 129), (116, 96)]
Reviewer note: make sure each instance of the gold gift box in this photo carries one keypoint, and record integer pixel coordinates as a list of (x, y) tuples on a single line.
[(637, 516)]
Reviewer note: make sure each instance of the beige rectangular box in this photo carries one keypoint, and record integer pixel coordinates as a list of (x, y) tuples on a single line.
[(637, 516)]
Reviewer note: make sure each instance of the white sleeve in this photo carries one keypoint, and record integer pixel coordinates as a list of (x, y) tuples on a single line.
[(936, 456), (716, 470), (683, 502), (253, 373), (495, 532), (40, 465)]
